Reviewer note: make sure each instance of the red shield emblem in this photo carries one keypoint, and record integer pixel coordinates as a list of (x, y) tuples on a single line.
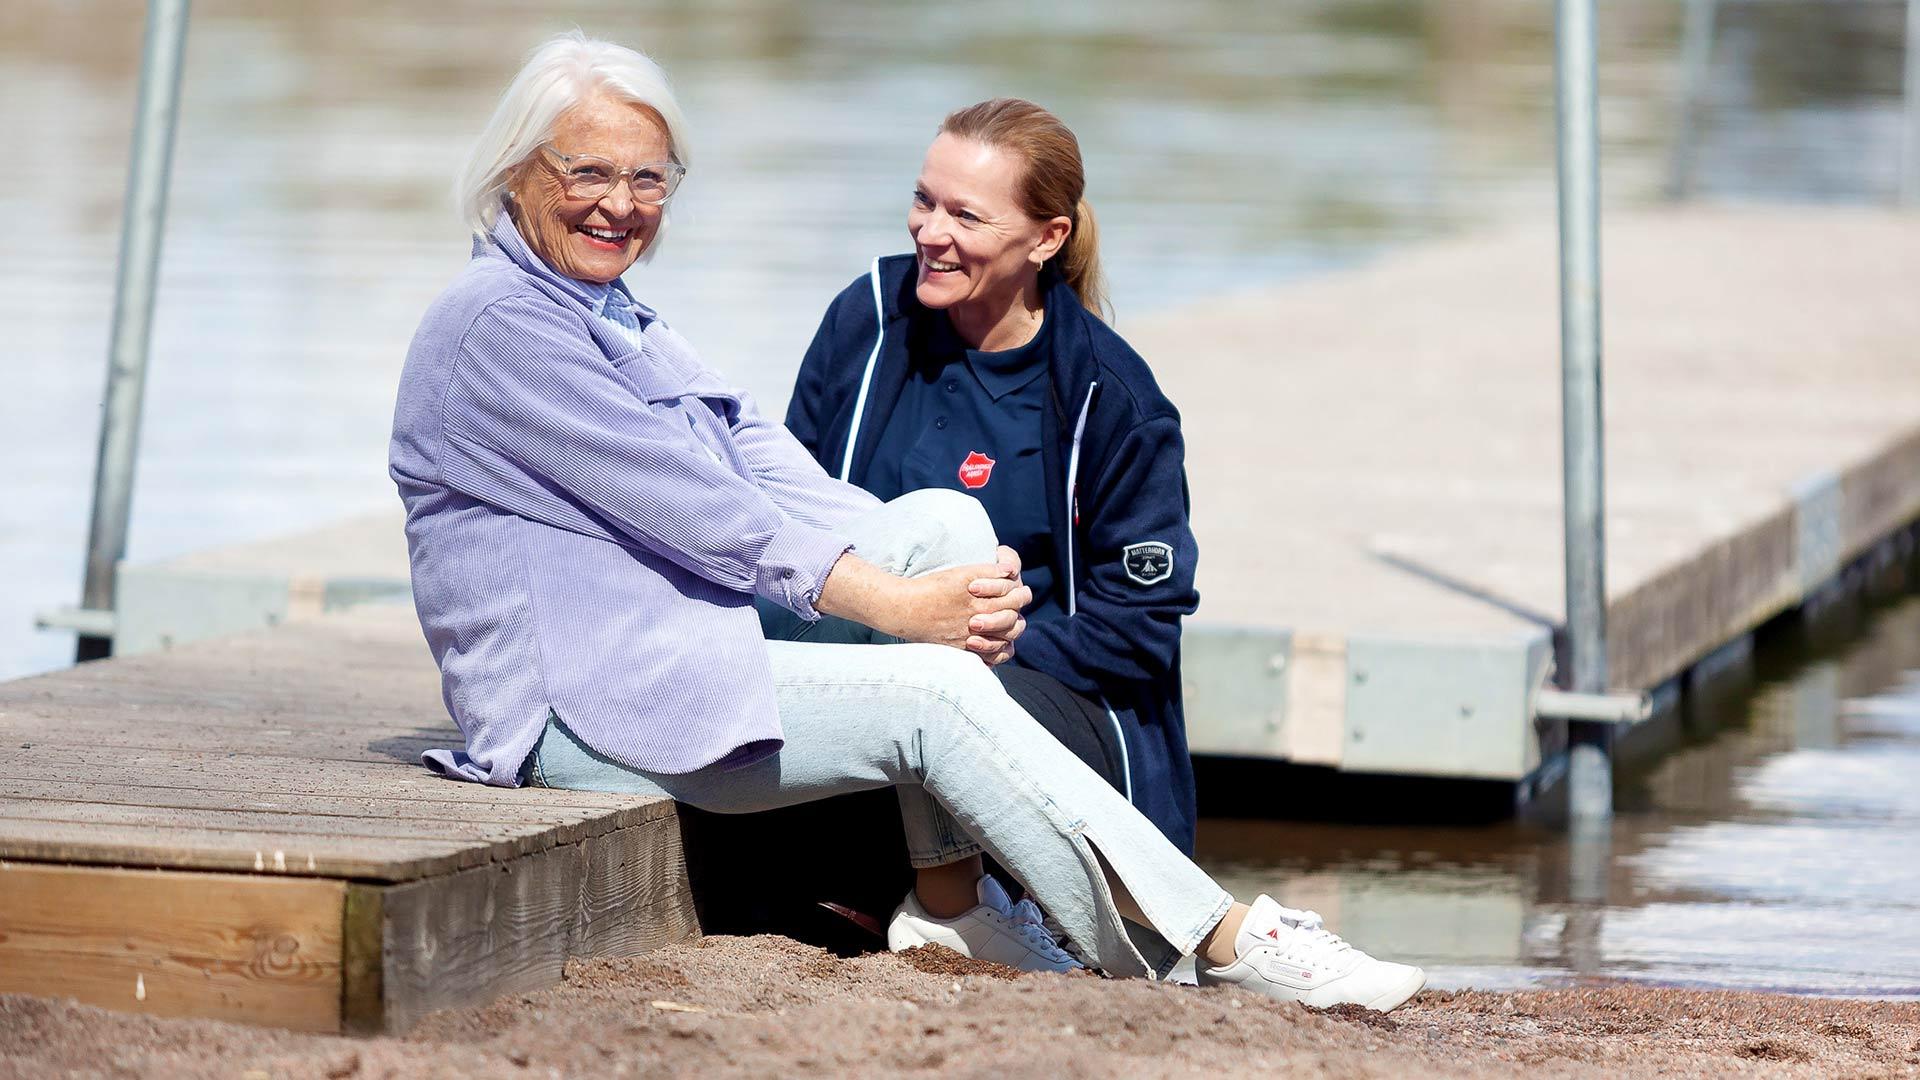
[(975, 471)]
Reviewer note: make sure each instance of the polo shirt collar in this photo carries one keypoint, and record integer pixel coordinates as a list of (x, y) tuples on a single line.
[(1002, 373)]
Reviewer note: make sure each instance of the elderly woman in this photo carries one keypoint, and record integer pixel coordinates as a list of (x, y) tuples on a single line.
[(981, 363), (591, 514)]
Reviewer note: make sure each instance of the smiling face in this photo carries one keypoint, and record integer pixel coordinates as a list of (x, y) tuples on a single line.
[(980, 252), (591, 239)]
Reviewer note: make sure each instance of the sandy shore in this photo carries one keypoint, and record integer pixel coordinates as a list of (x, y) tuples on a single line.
[(765, 1006)]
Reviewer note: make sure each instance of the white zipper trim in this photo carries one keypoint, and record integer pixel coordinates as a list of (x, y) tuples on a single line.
[(866, 381), (1073, 478), (1126, 766), (1073, 606)]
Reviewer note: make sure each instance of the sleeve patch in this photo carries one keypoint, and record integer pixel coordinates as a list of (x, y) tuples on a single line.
[(1149, 562)]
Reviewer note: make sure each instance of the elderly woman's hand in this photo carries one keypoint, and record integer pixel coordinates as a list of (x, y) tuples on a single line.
[(976, 608), (968, 607), (991, 635)]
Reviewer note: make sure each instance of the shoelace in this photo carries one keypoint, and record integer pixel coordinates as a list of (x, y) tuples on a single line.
[(1063, 939), (1032, 924), (1313, 932)]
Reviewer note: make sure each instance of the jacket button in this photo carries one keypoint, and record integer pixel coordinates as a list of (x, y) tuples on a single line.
[(940, 424), (953, 386)]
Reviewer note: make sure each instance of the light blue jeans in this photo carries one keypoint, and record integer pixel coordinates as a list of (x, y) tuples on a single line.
[(974, 772)]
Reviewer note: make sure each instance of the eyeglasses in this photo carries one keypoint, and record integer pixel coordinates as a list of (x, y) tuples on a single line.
[(589, 177)]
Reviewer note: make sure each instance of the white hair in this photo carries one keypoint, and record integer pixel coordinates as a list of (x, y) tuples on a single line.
[(558, 75)]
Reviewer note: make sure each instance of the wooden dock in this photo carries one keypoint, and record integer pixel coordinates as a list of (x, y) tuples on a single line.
[(241, 829)]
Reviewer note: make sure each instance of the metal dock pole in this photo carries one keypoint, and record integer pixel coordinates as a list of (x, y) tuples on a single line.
[(145, 215), (1696, 66), (1590, 766), (1910, 142)]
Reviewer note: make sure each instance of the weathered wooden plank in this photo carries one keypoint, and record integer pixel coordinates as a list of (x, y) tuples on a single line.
[(363, 960), (291, 826), (421, 814), (511, 927), (1879, 494), (1656, 630), (159, 846), (242, 718), (509, 835), (224, 839), (193, 772), (198, 691), (398, 745), (256, 949)]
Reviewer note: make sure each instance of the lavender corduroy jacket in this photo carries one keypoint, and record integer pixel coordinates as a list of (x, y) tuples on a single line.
[(590, 514)]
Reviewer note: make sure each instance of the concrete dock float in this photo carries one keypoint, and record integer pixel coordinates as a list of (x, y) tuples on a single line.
[(241, 829), (1375, 465), (1374, 457)]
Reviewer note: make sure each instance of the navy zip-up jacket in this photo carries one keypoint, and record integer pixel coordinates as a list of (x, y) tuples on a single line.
[(1116, 494)]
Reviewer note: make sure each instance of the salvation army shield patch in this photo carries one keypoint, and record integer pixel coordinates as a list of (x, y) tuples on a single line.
[(976, 470), (1149, 562)]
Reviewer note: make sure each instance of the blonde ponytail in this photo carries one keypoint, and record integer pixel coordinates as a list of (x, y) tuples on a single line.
[(1080, 262)]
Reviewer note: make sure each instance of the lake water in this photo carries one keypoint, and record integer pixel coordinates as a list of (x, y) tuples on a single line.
[(1778, 848), (1230, 143)]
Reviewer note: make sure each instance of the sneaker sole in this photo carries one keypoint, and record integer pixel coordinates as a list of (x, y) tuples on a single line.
[(1399, 995)]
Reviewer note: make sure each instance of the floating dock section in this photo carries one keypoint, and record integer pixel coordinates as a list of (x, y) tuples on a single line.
[(241, 829), (1375, 463)]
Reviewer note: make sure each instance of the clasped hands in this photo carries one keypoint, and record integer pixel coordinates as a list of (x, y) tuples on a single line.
[(976, 608)]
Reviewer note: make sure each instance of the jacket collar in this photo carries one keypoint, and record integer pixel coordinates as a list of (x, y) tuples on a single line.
[(1071, 362), (599, 299)]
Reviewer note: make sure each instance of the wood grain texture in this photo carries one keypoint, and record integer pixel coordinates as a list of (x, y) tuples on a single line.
[(161, 847), (290, 751), (1879, 494), (1659, 628), (363, 960), (370, 891), (181, 770), (511, 927), (254, 949), (413, 812), (399, 746)]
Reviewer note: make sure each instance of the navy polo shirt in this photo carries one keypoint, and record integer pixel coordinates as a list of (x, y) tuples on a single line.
[(971, 421)]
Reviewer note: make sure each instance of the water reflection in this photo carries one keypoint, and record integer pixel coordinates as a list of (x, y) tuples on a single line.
[(1229, 142), (1775, 853)]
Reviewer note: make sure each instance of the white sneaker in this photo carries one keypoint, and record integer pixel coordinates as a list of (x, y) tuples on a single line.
[(997, 930), (1289, 955)]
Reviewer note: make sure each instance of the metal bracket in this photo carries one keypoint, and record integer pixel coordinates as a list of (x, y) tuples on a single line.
[(1616, 708), (88, 622)]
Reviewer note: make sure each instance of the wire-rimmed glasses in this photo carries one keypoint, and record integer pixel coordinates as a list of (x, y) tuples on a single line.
[(588, 177)]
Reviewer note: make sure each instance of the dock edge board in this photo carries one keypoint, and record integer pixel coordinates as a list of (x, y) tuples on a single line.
[(334, 956)]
